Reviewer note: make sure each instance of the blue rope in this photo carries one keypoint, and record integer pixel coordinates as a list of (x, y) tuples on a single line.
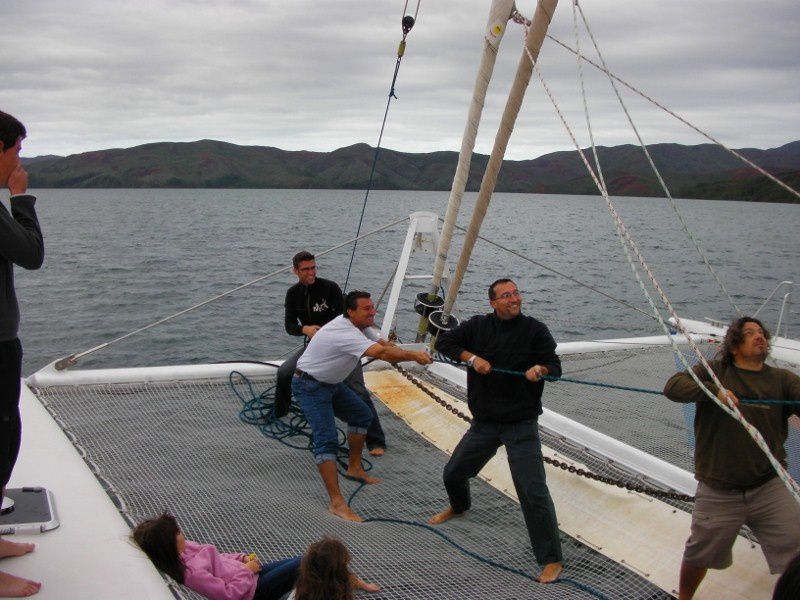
[(443, 359), (488, 561), (259, 410)]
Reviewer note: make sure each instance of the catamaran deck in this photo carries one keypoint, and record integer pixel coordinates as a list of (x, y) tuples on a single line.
[(171, 439), (89, 555)]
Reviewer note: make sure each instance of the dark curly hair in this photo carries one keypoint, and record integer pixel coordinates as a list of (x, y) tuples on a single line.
[(735, 336), (324, 572), (157, 539)]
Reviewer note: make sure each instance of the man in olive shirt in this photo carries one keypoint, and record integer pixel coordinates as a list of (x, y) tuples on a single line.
[(737, 484), (21, 244)]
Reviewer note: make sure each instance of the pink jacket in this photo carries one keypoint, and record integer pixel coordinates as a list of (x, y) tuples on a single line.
[(217, 576)]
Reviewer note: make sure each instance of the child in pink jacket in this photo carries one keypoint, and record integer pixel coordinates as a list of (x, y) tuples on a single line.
[(202, 568)]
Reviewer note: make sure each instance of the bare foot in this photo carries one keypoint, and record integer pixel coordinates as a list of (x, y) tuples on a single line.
[(9, 548), (360, 475), (343, 511), (447, 514), (360, 584), (377, 451), (550, 572), (12, 586)]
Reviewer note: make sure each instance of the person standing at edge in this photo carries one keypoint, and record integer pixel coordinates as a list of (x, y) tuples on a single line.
[(21, 243), (311, 303), (737, 484), (318, 385), (505, 410)]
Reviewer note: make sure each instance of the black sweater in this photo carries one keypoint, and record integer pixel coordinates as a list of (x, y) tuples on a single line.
[(21, 244), (314, 304), (516, 344)]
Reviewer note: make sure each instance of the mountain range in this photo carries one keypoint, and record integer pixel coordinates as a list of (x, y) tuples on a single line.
[(701, 171)]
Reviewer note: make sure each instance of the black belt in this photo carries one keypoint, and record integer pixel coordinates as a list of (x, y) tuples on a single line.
[(301, 373)]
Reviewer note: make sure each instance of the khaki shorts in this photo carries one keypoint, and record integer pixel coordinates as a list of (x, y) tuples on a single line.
[(769, 510)]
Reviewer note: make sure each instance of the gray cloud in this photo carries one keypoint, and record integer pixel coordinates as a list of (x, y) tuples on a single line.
[(91, 74)]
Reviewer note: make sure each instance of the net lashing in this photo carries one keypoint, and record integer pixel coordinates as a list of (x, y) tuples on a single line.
[(182, 447)]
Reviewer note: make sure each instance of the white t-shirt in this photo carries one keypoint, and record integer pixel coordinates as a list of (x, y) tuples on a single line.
[(335, 350)]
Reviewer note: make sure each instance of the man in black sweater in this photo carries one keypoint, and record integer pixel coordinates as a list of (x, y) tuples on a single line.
[(311, 303), (505, 410), (21, 244)]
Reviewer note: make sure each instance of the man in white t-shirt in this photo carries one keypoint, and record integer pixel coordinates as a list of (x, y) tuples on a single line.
[(318, 386)]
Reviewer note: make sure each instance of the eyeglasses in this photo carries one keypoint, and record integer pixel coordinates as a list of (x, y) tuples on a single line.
[(509, 295)]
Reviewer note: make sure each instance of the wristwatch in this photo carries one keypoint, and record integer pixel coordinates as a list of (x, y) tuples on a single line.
[(471, 360)]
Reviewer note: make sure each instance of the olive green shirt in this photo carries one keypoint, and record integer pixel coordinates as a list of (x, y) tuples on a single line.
[(725, 456)]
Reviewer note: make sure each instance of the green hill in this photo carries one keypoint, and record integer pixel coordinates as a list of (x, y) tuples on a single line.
[(703, 171)]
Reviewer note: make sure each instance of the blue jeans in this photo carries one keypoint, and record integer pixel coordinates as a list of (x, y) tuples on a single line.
[(277, 578), (524, 450), (321, 402), (376, 438)]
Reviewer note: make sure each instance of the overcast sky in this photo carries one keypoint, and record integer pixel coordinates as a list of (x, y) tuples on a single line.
[(299, 75)]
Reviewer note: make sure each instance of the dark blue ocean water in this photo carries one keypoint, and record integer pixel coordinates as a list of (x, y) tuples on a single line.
[(120, 259)]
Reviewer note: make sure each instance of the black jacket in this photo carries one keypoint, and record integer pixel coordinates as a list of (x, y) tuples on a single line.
[(21, 244), (515, 344), (314, 304)]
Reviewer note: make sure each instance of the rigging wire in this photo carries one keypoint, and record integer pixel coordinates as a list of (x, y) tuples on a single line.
[(672, 113), (791, 484), (72, 359), (560, 274), (407, 24), (576, 8)]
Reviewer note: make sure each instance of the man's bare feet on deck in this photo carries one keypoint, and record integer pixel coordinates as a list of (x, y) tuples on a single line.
[(342, 510), (377, 451), (550, 572), (9, 548), (12, 586), (443, 516), (361, 475)]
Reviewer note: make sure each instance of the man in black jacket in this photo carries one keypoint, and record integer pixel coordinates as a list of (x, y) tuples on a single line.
[(505, 410), (21, 244), (311, 303)]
